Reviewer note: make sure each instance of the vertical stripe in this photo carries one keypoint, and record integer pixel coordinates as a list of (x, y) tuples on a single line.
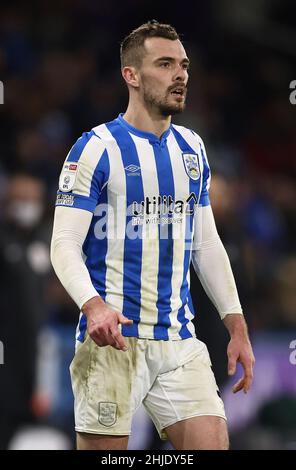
[(186, 312), (164, 282), (181, 182), (116, 222), (205, 199), (132, 266), (96, 245), (150, 241), (94, 251)]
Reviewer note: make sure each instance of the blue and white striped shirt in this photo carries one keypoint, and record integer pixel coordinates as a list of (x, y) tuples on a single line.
[(143, 191)]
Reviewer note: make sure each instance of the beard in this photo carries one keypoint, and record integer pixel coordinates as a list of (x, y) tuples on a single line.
[(163, 104)]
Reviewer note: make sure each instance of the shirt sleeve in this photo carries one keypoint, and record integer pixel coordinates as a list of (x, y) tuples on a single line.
[(84, 174), (212, 265), (69, 232), (206, 177)]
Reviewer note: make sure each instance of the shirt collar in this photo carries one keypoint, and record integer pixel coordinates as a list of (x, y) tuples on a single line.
[(146, 135)]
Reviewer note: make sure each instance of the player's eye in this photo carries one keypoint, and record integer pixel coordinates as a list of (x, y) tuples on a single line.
[(165, 64)]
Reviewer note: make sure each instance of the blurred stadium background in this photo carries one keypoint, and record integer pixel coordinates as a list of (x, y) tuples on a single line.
[(59, 63)]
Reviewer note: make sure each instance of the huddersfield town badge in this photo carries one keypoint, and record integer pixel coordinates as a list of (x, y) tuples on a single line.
[(191, 164), (107, 413)]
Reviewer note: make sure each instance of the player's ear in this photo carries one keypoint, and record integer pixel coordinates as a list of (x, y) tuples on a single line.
[(131, 76)]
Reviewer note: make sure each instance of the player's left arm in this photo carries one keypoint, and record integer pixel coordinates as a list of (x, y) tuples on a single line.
[(211, 263), (212, 266)]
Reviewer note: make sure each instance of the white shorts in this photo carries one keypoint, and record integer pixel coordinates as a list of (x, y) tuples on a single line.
[(173, 380)]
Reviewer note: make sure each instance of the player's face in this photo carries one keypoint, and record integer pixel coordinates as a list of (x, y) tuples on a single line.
[(164, 75)]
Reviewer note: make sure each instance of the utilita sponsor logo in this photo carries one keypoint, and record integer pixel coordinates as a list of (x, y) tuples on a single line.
[(163, 205)]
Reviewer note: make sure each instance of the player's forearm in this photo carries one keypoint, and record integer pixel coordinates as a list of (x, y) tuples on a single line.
[(70, 229), (212, 266), (213, 269)]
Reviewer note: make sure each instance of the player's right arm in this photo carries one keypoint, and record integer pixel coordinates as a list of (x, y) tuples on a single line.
[(84, 174)]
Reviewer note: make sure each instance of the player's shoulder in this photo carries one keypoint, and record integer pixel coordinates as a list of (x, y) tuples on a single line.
[(97, 140), (86, 150), (188, 134), (103, 133), (87, 143)]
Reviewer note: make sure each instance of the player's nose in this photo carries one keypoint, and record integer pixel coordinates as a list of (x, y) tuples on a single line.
[(181, 75)]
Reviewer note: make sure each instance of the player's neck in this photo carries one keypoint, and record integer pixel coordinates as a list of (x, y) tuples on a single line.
[(147, 121)]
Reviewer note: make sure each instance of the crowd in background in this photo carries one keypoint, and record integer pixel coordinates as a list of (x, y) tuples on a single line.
[(59, 63)]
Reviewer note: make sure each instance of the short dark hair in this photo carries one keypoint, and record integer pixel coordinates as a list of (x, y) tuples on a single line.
[(132, 47)]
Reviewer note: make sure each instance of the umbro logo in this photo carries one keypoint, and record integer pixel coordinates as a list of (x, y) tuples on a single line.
[(133, 170)]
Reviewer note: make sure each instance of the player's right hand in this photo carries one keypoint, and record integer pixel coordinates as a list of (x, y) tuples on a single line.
[(102, 323)]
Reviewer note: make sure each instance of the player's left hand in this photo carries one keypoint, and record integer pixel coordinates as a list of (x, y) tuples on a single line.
[(240, 350)]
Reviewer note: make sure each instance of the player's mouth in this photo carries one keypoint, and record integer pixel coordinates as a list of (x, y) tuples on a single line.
[(179, 92)]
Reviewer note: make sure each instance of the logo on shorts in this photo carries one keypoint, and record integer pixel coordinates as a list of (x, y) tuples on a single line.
[(107, 413)]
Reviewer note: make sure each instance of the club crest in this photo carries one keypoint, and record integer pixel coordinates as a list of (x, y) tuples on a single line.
[(107, 413), (191, 164)]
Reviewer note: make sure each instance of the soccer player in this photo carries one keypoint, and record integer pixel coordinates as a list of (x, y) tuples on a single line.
[(133, 211)]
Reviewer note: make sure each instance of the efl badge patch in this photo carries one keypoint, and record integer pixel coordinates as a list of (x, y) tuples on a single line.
[(107, 413), (191, 164), (68, 177)]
